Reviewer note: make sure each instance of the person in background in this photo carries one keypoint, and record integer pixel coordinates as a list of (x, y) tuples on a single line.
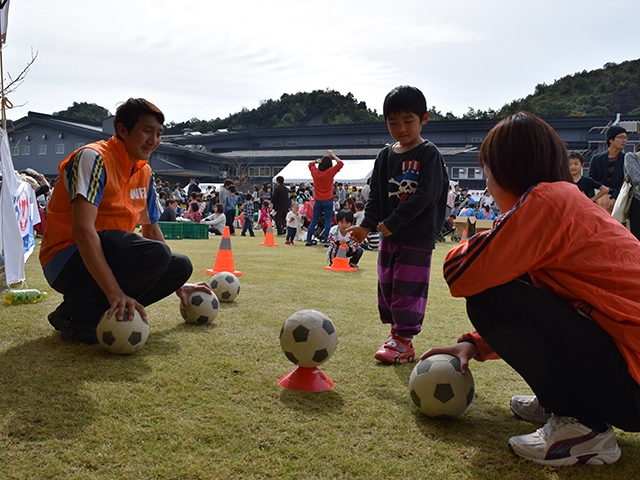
[(193, 213), (585, 184), (230, 203), (247, 211), (358, 217), (323, 171), (280, 200), (216, 220), (632, 170), (169, 212), (265, 216), (607, 167), (339, 235), (293, 223), (562, 310)]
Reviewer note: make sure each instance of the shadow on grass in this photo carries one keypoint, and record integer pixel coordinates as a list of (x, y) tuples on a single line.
[(328, 402), (43, 392)]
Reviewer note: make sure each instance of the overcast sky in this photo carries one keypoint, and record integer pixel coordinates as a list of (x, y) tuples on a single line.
[(208, 58)]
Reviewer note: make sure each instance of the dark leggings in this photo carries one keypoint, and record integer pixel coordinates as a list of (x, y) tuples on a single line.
[(572, 365), (145, 269)]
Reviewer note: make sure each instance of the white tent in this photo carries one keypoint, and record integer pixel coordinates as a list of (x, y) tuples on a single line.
[(354, 172)]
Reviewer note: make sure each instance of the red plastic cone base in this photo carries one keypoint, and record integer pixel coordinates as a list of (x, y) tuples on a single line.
[(306, 379), (340, 265)]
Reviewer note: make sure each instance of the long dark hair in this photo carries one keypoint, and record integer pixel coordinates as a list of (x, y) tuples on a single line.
[(523, 150), (325, 163)]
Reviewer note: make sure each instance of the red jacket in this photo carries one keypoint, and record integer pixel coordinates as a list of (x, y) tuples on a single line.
[(323, 181)]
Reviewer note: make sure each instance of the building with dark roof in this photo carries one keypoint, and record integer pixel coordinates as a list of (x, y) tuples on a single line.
[(41, 141)]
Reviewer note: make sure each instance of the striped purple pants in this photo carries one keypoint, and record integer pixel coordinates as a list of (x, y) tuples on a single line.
[(403, 286)]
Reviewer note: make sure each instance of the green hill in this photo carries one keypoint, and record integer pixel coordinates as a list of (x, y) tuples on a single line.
[(606, 91), (613, 89)]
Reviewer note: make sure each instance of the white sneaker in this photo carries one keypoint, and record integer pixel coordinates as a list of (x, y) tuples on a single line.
[(527, 408), (565, 441)]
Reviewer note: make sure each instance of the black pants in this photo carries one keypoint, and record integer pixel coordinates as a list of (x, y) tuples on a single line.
[(145, 269), (573, 366), (281, 221)]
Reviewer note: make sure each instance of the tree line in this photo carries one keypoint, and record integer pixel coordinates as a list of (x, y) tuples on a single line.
[(612, 89)]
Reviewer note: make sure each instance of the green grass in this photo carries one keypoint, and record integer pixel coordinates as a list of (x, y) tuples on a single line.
[(200, 402)]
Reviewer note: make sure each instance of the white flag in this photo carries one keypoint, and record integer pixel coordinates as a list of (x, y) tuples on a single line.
[(18, 209), (4, 20)]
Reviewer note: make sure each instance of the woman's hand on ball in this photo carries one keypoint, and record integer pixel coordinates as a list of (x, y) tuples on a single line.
[(463, 351)]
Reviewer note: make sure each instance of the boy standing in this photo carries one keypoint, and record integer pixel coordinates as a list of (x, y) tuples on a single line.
[(247, 209), (407, 204)]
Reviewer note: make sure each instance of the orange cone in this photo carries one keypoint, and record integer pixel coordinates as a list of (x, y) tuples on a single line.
[(464, 237), (306, 379), (224, 259), (341, 262), (268, 238)]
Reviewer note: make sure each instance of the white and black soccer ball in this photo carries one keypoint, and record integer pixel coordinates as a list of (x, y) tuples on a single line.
[(225, 285), (124, 336), (438, 387), (308, 338), (203, 308)]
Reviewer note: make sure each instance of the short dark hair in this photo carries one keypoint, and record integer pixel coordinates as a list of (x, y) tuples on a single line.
[(195, 207), (577, 156), (231, 188), (345, 214), (523, 150), (404, 99), (129, 112), (279, 179), (248, 196)]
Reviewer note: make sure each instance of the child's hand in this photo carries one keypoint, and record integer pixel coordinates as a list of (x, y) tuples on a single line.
[(383, 229), (358, 233)]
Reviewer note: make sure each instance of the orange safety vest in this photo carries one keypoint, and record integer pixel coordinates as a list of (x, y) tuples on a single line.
[(123, 204)]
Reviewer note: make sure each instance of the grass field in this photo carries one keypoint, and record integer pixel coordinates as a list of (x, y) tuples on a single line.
[(200, 402)]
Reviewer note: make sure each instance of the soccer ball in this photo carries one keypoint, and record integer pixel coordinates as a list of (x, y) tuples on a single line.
[(203, 308), (308, 338), (122, 336), (225, 285), (438, 387)]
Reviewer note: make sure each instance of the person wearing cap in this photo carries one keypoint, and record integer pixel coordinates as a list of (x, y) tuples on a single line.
[(608, 167)]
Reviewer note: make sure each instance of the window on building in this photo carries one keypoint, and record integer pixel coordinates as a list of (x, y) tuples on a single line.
[(377, 141), (292, 144), (255, 144), (26, 150), (361, 142), (15, 151), (259, 171), (42, 149), (277, 170), (162, 156), (79, 145), (276, 144), (59, 148), (466, 173), (476, 139)]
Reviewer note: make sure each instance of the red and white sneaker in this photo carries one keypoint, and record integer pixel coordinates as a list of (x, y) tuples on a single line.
[(396, 350)]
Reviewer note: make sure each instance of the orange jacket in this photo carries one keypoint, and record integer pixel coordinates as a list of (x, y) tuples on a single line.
[(568, 245), (124, 198)]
